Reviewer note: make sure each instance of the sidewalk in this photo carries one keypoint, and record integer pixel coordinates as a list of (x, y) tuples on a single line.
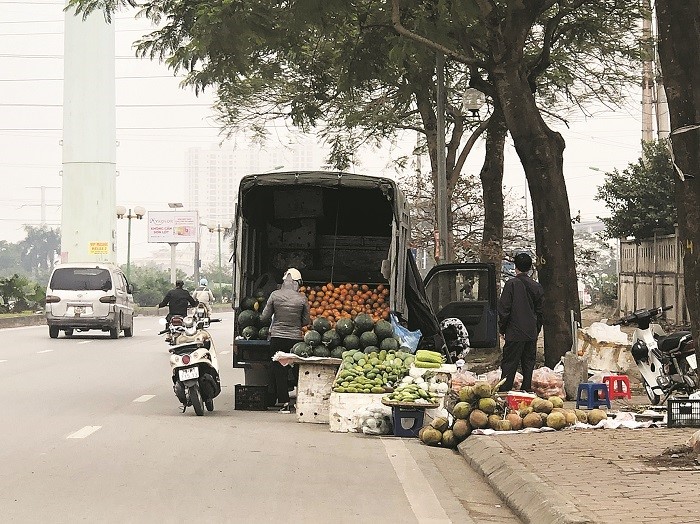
[(581, 476)]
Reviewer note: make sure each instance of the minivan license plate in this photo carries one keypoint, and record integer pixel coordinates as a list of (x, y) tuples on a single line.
[(189, 374)]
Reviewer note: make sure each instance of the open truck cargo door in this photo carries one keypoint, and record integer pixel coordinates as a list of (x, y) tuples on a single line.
[(467, 292)]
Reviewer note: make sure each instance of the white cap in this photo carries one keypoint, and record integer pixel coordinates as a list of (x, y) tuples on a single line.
[(294, 273)]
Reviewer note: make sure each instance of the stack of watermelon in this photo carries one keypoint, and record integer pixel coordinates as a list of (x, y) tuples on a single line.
[(250, 326)]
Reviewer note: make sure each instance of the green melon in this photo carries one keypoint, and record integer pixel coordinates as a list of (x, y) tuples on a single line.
[(389, 344), (301, 349), (330, 339), (344, 327), (264, 333), (383, 330), (337, 352), (312, 338), (321, 324), (321, 351), (250, 332), (248, 318), (363, 323), (368, 338), (251, 304), (371, 349), (351, 342)]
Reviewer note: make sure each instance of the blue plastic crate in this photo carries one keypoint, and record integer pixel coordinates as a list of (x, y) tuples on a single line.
[(407, 421)]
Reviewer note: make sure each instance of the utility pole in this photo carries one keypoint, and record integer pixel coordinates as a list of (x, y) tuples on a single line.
[(647, 76), (663, 117), (441, 185)]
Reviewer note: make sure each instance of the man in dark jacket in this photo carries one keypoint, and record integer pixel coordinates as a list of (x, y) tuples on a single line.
[(177, 301), (519, 321)]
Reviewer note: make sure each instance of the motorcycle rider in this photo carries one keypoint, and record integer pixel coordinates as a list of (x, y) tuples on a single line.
[(177, 301), (204, 295)]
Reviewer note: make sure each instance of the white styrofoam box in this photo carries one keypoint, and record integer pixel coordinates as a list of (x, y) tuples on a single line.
[(344, 408), (314, 392)]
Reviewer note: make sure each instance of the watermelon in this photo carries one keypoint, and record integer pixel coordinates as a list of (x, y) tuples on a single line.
[(301, 349), (312, 338), (383, 329), (321, 351), (351, 342), (368, 338), (248, 318), (344, 327), (264, 333), (363, 322), (250, 332), (251, 304), (321, 324), (337, 352), (371, 349), (331, 339), (389, 344)]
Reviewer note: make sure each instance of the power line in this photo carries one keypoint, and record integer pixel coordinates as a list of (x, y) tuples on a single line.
[(117, 105), (135, 77)]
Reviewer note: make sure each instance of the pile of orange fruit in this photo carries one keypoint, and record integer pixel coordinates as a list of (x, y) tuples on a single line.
[(347, 301)]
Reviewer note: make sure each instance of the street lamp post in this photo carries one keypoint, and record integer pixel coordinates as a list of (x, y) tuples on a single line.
[(138, 213), (218, 227)]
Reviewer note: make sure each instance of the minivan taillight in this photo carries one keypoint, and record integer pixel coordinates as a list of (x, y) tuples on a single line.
[(109, 299), (52, 299)]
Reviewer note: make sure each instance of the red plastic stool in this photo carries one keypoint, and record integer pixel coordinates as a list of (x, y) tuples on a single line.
[(618, 386)]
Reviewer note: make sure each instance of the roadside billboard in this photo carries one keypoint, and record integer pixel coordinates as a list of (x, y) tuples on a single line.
[(173, 227)]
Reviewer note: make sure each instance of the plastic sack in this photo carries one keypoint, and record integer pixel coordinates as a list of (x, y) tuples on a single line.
[(547, 383), (409, 339), (375, 420), (462, 378)]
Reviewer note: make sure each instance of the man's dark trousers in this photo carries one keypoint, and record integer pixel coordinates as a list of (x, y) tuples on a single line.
[(522, 353)]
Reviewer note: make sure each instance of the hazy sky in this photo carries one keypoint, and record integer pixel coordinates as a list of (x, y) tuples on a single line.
[(157, 121)]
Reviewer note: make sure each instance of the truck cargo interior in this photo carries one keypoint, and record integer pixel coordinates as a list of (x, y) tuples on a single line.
[(329, 233)]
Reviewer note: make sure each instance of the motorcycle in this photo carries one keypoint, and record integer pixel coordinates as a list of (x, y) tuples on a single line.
[(667, 362), (194, 365), (200, 314)]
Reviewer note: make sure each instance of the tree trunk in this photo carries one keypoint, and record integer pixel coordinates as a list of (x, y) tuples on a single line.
[(541, 153), (679, 41), (491, 176)]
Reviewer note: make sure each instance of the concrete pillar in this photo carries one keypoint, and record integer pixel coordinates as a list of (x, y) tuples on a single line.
[(88, 219)]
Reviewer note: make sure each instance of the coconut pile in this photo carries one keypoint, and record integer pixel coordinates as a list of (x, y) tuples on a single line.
[(480, 407)]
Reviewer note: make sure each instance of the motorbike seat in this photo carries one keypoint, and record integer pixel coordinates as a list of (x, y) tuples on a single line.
[(670, 342), (184, 349)]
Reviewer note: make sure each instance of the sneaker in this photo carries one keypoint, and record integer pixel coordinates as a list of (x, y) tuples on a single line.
[(285, 409)]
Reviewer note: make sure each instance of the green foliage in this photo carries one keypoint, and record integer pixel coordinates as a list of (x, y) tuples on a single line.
[(18, 293), (150, 284), (38, 251), (641, 198), (596, 267)]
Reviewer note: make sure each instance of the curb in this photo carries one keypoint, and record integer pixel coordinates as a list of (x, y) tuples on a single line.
[(27, 320), (530, 497)]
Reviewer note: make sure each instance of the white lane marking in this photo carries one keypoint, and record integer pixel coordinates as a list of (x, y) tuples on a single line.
[(144, 398), (84, 341), (84, 432), (45, 351), (144, 330), (421, 497), (224, 353)]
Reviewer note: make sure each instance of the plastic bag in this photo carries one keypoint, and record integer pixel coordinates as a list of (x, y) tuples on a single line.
[(408, 338), (462, 378), (547, 383), (375, 420)]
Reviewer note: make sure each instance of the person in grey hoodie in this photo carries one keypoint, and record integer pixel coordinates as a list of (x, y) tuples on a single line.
[(289, 311), (520, 310)]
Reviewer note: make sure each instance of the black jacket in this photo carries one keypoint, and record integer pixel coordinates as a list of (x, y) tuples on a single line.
[(177, 300), (520, 309)]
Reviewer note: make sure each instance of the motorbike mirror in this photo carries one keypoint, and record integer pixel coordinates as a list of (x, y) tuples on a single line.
[(162, 321)]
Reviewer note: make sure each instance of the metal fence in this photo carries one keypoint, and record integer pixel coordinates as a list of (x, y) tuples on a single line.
[(651, 274)]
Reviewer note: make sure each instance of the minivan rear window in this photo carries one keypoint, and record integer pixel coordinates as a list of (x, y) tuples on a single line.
[(81, 279)]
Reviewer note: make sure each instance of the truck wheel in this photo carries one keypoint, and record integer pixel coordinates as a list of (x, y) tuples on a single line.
[(53, 331)]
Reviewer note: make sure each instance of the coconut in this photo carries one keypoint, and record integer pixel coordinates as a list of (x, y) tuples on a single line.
[(556, 420), (461, 410), (449, 440), (461, 429), (482, 389), (504, 425), (466, 394), (525, 411), (558, 410), (543, 416), (487, 405), (543, 406), (431, 436), (440, 423), (420, 433), (581, 415), (515, 421), (596, 415), (478, 419), (571, 417), (556, 401), (494, 421), (532, 420)]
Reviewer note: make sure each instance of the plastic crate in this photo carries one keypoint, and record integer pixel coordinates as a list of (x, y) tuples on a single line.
[(515, 398), (407, 421), (683, 413), (251, 398)]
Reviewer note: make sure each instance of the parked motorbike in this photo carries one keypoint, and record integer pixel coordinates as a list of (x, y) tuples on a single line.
[(667, 362)]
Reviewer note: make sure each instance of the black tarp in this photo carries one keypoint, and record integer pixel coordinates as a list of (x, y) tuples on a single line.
[(420, 311)]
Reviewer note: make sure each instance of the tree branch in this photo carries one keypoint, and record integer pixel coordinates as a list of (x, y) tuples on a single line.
[(454, 175), (403, 31)]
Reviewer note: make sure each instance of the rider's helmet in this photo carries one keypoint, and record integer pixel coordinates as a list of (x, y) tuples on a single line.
[(188, 322), (203, 282)]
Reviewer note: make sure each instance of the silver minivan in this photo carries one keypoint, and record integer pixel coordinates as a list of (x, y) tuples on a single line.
[(84, 296)]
